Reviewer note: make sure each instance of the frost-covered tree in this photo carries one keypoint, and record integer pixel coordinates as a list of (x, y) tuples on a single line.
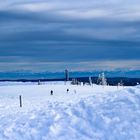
[(101, 79), (90, 80), (120, 83)]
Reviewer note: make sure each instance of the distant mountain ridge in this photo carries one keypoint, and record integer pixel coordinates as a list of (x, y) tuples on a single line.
[(54, 75)]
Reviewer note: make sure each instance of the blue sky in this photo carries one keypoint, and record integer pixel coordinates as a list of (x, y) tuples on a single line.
[(51, 35)]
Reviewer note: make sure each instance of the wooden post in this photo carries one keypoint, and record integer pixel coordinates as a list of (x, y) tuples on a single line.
[(20, 100)]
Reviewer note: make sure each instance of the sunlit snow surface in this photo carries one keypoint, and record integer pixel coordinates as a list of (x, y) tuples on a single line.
[(84, 113)]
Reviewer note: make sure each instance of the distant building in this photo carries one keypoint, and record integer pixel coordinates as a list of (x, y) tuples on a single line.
[(39, 82), (75, 82), (66, 75)]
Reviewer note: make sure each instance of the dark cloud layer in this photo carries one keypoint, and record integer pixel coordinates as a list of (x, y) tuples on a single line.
[(51, 31)]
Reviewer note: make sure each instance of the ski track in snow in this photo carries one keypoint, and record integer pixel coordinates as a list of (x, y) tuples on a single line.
[(85, 113)]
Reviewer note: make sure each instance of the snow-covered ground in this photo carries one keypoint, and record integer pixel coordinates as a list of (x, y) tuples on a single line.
[(83, 113)]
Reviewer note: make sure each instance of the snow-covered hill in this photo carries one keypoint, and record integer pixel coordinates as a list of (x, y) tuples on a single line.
[(83, 113)]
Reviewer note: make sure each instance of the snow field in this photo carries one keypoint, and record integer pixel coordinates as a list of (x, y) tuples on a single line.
[(90, 113)]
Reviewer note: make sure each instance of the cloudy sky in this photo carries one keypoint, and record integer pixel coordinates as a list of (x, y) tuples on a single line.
[(51, 35)]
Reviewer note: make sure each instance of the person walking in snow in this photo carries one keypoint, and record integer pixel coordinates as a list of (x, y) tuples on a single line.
[(51, 92), (67, 90)]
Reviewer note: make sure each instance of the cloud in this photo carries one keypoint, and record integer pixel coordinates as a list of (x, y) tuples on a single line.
[(71, 51), (69, 32), (72, 66), (113, 9)]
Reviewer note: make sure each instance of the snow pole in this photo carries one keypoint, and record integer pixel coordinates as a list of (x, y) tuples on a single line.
[(20, 100)]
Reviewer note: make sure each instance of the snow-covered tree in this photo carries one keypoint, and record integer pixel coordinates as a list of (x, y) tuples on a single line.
[(90, 81), (101, 79), (120, 83)]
